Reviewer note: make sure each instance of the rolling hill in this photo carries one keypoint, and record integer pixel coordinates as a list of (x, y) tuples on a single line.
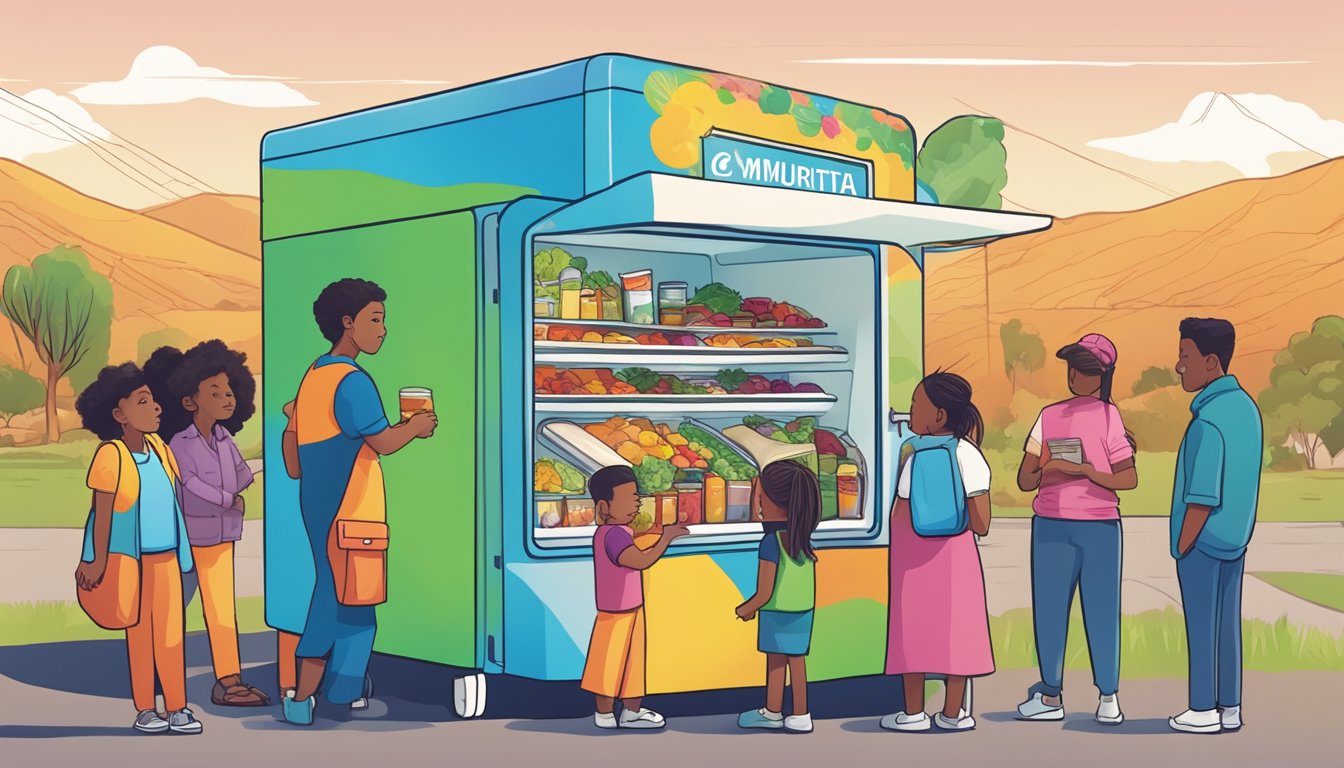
[(162, 274), (1267, 254)]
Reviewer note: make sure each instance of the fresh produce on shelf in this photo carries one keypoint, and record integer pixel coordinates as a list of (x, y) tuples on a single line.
[(599, 280), (654, 475), (723, 461), (546, 267), (718, 298), (637, 439), (797, 432), (829, 445), (550, 380), (555, 476), (753, 341)]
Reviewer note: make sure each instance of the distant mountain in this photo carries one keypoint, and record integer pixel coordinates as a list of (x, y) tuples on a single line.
[(163, 274), (1267, 254), (232, 221)]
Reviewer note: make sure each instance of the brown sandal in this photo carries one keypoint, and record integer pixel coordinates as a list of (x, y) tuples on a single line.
[(231, 691)]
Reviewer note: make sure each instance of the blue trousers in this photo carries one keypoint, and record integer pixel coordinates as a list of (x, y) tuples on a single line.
[(1211, 594), (1084, 555)]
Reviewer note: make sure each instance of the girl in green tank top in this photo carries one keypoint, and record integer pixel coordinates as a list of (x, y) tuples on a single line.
[(786, 499)]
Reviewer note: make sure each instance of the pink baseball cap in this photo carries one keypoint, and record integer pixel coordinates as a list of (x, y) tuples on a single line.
[(1098, 346)]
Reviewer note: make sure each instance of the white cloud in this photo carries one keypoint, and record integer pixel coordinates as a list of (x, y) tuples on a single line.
[(166, 75), (42, 121), (1243, 131), (975, 62)]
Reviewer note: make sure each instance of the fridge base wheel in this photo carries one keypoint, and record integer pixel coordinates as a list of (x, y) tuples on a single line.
[(469, 696)]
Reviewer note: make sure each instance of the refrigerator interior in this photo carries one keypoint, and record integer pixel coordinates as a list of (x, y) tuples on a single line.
[(835, 283)]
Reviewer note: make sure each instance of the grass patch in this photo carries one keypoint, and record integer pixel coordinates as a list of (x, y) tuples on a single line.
[(1325, 589), (63, 621), (44, 486), (1285, 497), (1153, 644)]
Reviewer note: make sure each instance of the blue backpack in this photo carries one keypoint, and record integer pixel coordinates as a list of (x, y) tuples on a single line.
[(937, 494)]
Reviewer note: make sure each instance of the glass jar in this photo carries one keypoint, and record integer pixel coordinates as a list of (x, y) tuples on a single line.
[(672, 303), (571, 283)]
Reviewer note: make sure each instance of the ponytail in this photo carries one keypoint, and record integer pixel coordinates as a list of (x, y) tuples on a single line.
[(952, 394)]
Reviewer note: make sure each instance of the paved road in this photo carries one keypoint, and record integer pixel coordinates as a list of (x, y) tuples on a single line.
[(68, 706), (35, 564)]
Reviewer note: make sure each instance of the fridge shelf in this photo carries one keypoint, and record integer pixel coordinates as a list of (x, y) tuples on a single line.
[(577, 352), (795, 404), (696, 330)]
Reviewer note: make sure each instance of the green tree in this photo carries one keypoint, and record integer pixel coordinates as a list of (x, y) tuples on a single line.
[(1304, 402), (965, 163), (19, 393), (65, 310), (1154, 378), (1023, 350), (163, 337)]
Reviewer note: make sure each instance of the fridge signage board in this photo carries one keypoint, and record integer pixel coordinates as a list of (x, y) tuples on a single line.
[(752, 161)]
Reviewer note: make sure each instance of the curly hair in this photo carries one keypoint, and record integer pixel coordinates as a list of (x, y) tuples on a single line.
[(173, 375), (342, 299), (96, 403)]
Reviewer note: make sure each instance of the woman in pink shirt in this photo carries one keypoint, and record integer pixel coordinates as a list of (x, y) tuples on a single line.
[(1076, 538)]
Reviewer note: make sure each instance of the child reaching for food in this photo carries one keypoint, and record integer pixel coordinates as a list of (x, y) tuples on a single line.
[(615, 666), (786, 499)]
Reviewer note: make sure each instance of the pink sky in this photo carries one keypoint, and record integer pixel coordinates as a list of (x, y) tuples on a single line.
[(44, 47)]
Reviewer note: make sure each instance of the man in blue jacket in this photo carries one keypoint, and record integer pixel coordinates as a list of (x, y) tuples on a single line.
[(1212, 516)]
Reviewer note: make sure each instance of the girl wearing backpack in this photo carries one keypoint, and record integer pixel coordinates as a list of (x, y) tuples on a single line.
[(786, 500), (1075, 533), (938, 622)]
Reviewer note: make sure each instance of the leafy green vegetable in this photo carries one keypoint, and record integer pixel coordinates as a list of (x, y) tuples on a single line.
[(776, 101), (640, 378), (802, 430), (570, 478), (547, 264), (726, 462), (726, 96), (682, 387), (754, 421), (643, 519), (654, 475), (732, 378), (578, 262), (718, 298), (598, 280)]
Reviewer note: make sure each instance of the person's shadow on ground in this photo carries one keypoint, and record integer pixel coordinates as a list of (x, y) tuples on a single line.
[(407, 693)]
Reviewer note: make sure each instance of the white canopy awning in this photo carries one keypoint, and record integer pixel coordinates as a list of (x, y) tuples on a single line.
[(673, 204)]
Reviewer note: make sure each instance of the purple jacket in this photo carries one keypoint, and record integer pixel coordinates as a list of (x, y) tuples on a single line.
[(211, 477)]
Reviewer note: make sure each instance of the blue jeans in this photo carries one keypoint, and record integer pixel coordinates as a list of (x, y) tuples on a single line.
[(1083, 555), (1211, 594)]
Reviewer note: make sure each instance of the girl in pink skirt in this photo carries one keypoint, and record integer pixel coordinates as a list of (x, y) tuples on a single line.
[(938, 622)]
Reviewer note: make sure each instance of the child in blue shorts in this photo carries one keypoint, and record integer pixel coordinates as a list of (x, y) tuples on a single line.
[(786, 499)]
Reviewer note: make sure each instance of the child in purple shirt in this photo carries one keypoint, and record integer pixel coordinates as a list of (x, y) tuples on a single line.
[(615, 667)]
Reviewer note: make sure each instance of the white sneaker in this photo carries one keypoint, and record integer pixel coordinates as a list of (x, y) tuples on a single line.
[(1192, 721), (605, 720), (799, 723), (903, 722), (643, 719), (1231, 718), (1036, 708), (359, 705), (964, 722), (150, 722), (1108, 710), (184, 721)]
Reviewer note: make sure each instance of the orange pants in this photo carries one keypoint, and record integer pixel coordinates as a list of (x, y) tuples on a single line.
[(286, 663), (615, 666), (156, 643), (214, 573)]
